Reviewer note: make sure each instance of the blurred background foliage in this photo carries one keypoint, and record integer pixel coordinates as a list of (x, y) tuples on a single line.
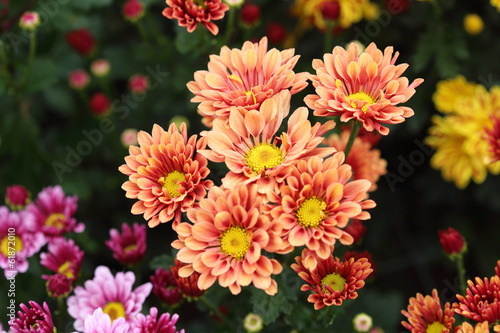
[(43, 120)]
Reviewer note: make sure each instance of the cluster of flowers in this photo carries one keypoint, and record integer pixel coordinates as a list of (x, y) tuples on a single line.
[(283, 190), (467, 138)]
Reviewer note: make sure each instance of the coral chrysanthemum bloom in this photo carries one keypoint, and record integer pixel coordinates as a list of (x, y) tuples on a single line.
[(187, 285), (152, 324), (450, 93), (54, 211), (190, 12), (254, 153), (244, 78), (165, 175), (102, 323), (33, 317), (18, 242), (316, 203), (128, 247), (481, 301), (483, 327), (113, 294), (227, 240), (332, 281), (425, 314), (365, 162), (64, 257), (366, 87)]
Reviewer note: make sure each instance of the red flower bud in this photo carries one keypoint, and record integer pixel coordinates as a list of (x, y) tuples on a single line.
[(58, 285), (81, 40), (100, 104), (250, 14), (330, 10), (452, 242), (17, 197), (357, 230), (397, 6), (276, 33), (133, 10)]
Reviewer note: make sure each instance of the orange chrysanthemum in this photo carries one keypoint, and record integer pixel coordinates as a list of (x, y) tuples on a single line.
[(244, 78), (332, 281), (254, 153), (226, 241), (367, 87), (479, 328), (164, 175), (190, 12), (316, 202), (482, 300), (365, 161), (425, 314)]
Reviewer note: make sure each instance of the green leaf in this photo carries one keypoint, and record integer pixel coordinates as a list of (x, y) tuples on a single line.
[(162, 261), (44, 73), (193, 43), (60, 100), (89, 4)]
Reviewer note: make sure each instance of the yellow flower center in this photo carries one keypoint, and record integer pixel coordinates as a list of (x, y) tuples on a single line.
[(263, 156), (334, 280), (171, 183), (114, 310), (361, 96), (435, 327), (311, 212), (65, 269), (131, 247), (15, 245), (55, 220), (234, 242)]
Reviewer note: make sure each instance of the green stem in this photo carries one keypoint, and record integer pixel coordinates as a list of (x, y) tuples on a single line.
[(31, 56), (142, 31), (61, 311), (327, 47), (354, 132), (229, 26), (461, 275), (216, 312)]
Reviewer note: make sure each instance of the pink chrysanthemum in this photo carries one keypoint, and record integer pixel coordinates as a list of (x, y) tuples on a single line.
[(332, 281), (367, 87), (316, 203), (425, 314), (254, 153), (165, 287), (190, 12), (54, 213), (226, 241), (481, 301), (18, 242), (128, 247), (113, 294), (244, 78), (64, 257), (100, 322), (364, 161), (58, 285), (152, 324), (165, 175), (33, 316)]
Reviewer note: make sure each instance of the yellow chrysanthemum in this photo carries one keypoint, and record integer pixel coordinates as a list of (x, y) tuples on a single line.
[(495, 3), (473, 24), (450, 92), (462, 153)]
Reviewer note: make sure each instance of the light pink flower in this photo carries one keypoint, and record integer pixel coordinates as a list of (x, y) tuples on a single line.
[(100, 322)]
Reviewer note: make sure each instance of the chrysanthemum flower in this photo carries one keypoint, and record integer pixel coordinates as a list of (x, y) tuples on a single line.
[(226, 241), (128, 247), (449, 94), (187, 285), (58, 285), (479, 328), (31, 317), (462, 153), (362, 322), (18, 241), (332, 281), (17, 197), (492, 136), (190, 12), (358, 255), (495, 3), (357, 230), (113, 294), (452, 242), (367, 88), (365, 162), (425, 314), (63, 257), (54, 211), (244, 78), (481, 301), (253, 151), (316, 203), (165, 287), (165, 175), (100, 322), (152, 324)]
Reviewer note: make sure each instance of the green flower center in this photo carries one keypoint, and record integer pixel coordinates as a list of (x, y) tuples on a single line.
[(335, 281)]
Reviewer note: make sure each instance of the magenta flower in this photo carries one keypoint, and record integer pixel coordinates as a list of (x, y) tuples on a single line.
[(100, 322), (63, 257), (113, 294), (165, 287), (152, 324), (128, 247), (58, 285), (17, 197), (33, 317), (54, 213), (18, 241)]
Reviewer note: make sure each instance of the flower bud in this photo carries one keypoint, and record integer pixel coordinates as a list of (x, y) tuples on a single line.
[(250, 14), (330, 10), (100, 104), (129, 137), (138, 84), (79, 79), (362, 322), (473, 24), (17, 197), (133, 10), (29, 21), (276, 33), (58, 285), (100, 67), (81, 41), (452, 242), (253, 323)]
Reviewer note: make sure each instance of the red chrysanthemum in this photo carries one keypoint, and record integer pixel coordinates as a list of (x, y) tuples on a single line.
[(366, 87), (357, 230), (425, 314), (332, 281), (165, 287), (165, 175), (81, 40), (190, 12), (493, 138), (481, 301), (187, 285)]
